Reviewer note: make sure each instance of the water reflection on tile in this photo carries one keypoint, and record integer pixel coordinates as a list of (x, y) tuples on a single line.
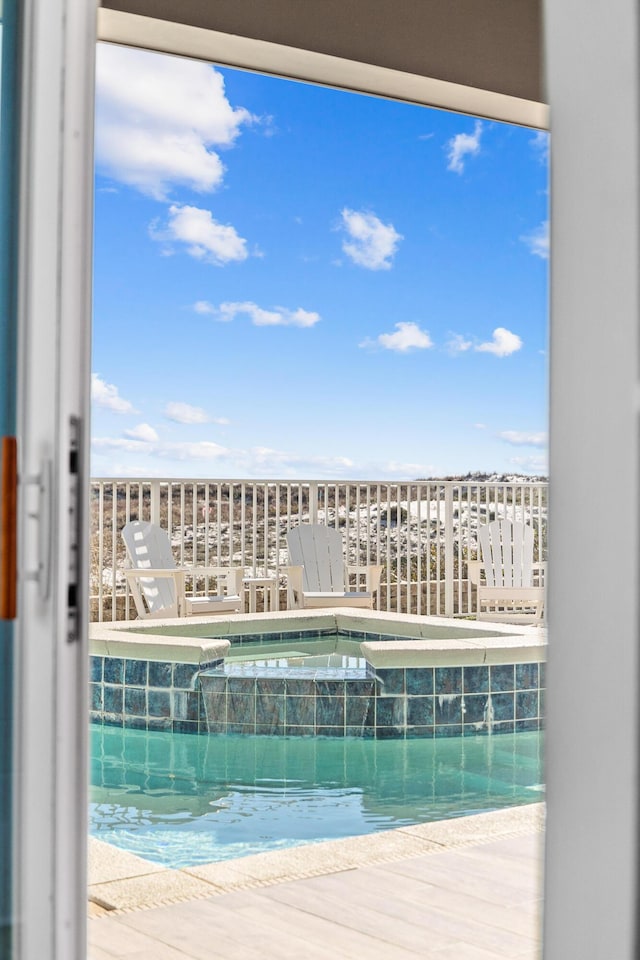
[(448, 680), (329, 711)]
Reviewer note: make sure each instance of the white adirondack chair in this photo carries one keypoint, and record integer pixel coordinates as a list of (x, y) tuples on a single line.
[(317, 575), (158, 585), (512, 589)]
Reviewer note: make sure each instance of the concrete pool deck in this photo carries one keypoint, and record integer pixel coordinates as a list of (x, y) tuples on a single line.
[(463, 889)]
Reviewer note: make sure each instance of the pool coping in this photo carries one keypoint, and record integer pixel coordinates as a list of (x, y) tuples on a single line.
[(121, 882), (415, 648)]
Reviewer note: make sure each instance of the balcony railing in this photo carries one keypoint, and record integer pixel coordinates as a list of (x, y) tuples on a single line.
[(423, 532)]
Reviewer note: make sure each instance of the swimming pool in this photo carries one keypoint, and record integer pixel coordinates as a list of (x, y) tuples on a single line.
[(180, 800)]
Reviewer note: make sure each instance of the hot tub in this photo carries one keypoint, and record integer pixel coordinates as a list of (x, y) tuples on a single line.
[(411, 676)]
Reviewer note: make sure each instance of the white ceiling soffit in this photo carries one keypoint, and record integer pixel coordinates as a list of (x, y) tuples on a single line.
[(284, 61)]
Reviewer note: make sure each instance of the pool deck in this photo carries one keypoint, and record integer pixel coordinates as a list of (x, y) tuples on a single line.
[(462, 889)]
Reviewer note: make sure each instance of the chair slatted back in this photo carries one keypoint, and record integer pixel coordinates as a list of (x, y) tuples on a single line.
[(507, 553), (318, 549), (148, 546)]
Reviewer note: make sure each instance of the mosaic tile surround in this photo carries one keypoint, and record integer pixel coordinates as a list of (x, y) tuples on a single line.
[(148, 694), (399, 703)]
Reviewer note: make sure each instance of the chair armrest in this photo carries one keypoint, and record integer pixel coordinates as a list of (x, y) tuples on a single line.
[(475, 568), (295, 591), (294, 573), (234, 577), (372, 573), (135, 573)]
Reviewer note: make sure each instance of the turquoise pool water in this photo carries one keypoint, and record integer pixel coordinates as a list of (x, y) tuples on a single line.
[(181, 800), (332, 654), (294, 659)]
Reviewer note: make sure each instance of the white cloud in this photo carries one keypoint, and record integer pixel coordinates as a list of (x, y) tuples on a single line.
[(203, 306), (266, 455), (405, 470), (253, 462), (503, 343), (104, 465), (187, 414), (142, 432), (520, 438), (276, 317), (106, 395), (121, 443), (204, 237), (265, 461), (371, 243), (408, 336), (157, 118), (126, 457), (533, 464), (463, 145), (202, 450), (538, 240), (458, 344), (540, 144)]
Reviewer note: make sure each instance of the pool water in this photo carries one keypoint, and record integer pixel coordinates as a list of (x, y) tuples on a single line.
[(332, 654), (294, 659), (181, 800), (333, 649)]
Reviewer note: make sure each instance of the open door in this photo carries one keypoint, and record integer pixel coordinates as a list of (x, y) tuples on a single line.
[(8, 467), (46, 139)]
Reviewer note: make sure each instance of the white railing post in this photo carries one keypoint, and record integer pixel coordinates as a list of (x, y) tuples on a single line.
[(448, 550), (101, 557), (154, 492), (313, 502)]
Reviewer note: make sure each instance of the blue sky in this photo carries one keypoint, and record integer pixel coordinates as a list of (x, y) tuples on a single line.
[(297, 282)]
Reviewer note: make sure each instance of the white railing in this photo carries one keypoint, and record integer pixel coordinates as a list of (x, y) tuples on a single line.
[(424, 532)]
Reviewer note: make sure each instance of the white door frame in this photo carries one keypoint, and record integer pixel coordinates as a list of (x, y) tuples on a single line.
[(592, 54), (54, 323)]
